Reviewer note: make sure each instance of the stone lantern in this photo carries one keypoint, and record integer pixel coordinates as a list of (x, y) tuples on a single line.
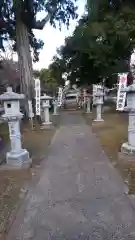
[(45, 102), (17, 157), (99, 102), (128, 148), (88, 104), (55, 108)]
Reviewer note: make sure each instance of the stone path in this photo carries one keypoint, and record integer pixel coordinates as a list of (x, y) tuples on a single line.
[(79, 194)]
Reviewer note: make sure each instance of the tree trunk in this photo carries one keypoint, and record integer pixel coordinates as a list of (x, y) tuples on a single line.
[(25, 62), (92, 6)]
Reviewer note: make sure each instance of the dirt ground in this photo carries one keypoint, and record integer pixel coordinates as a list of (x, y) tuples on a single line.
[(12, 183), (112, 133)]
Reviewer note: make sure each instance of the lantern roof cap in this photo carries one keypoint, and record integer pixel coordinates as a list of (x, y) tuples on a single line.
[(9, 95)]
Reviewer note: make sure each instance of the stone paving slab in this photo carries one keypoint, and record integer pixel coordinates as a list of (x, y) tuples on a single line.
[(79, 195)]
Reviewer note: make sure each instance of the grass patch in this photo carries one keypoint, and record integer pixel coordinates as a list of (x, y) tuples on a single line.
[(37, 142), (13, 181), (112, 133)]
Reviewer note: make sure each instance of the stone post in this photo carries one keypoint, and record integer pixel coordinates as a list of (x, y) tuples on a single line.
[(46, 105), (55, 108), (42, 112), (17, 157), (88, 104), (77, 101), (128, 148), (84, 98), (99, 102)]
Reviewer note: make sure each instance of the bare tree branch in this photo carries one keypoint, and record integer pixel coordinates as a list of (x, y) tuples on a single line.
[(40, 24)]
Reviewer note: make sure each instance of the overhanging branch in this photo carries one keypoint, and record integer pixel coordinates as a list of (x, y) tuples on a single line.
[(35, 25), (40, 24)]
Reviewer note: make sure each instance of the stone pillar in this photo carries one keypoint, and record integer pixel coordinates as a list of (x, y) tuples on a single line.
[(55, 108), (46, 107), (128, 148), (77, 101), (46, 115), (99, 102), (42, 114), (131, 129), (17, 157), (84, 98), (99, 113), (14, 133), (88, 105)]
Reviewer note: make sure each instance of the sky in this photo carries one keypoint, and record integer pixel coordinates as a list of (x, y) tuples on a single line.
[(54, 38)]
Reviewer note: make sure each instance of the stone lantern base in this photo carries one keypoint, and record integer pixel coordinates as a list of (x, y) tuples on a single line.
[(56, 114), (19, 159), (46, 125), (56, 110), (88, 111), (128, 150), (98, 120)]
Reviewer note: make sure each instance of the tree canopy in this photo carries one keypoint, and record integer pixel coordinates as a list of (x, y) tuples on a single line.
[(48, 81), (101, 44), (56, 11)]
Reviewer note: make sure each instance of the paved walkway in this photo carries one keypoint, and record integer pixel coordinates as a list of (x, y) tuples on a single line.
[(79, 195)]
